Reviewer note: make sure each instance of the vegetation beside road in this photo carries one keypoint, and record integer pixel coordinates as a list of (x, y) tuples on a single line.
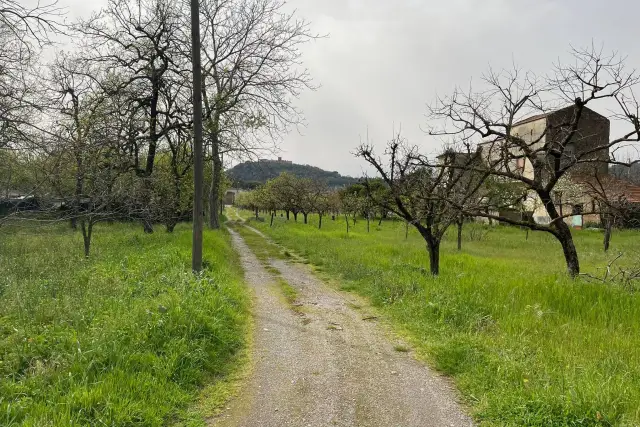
[(525, 344), (127, 337)]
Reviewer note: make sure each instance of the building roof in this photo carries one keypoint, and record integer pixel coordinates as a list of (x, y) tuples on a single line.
[(531, 119), (615, 189), (455, 155), (541, 116)]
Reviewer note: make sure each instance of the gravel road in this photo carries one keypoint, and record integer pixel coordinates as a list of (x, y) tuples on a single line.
[(328, 363)]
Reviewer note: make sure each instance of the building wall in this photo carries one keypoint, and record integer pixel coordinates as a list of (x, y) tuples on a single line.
[(230, 196), (532, 133), (593, 132)]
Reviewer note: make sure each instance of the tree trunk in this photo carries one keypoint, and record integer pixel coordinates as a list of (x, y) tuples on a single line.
[(568, 248), (460, 224), (295, 216), (78, 193), (608, 226), (273, 213), (563, 234), (433, 247), (368, 221), (147, 226), (214, 192), (171, 225), (305, 216), (346, 220), (147, 221), (153, 126), (87, 230), (380, 222), (177, 193), (216, 173), (406, 230), (319, 221), (256, 212)]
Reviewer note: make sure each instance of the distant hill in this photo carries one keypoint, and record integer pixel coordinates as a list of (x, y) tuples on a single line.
[(251, 174)]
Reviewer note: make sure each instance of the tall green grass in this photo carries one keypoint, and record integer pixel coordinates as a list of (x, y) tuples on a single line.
[(125, 338), (526, 345)]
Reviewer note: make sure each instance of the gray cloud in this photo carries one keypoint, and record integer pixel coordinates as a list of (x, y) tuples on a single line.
[(384, 61)]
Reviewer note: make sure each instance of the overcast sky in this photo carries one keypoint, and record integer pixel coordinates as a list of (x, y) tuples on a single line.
[(384, 60)]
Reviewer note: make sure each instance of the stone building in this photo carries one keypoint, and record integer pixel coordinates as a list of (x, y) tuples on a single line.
[(544, 133)]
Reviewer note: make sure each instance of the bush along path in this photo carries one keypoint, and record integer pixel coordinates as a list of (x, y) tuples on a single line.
[(322, 359)]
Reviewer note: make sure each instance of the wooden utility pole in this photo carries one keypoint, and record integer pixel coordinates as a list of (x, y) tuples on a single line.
[(198, 169)]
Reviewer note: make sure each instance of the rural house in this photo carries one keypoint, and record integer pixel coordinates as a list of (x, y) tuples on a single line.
[(576, 194)]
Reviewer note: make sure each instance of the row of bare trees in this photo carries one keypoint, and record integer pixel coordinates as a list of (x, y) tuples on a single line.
[(524, 150), (104, 130), (521, 144)]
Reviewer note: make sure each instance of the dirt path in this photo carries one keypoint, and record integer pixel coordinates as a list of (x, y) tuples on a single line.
[(326, 364)]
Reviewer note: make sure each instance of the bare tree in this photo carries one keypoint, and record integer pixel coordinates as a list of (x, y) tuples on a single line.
[(85, 170), (102, 197), (138, 41), (252, 73), (175, 156), (610, 200), (76, 102), (529, 144), (23, 32), (142, 43), (424, 194), (30, 25), (172, 183)]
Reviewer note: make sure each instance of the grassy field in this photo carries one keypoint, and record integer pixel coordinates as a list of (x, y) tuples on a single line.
[(525, 344), (126, 338)]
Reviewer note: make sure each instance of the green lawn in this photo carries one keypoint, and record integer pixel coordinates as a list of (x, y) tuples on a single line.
[(525, 344), (126, 338)]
